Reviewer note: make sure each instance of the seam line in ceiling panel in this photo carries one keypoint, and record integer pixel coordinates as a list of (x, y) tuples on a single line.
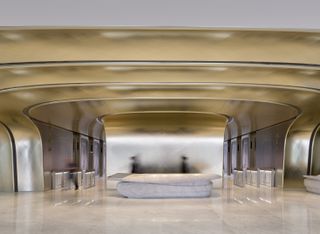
[(156, 62), (192, 84), (143, 98)]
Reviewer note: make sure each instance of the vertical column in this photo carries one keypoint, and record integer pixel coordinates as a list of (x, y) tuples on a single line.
[(252, 154), (29, 154), (245, 151), (7, 179), (234, 154), (84, 153), (315, 153), (96, 156), (227, 157), (239, 154), (104, 158), (296, 157), (76, 148)]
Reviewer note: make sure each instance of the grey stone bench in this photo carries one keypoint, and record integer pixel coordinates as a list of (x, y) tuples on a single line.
[(312, 183), (166, 185)]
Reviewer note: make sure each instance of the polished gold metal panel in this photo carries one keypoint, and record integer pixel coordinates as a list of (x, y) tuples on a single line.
[(147, 44), (13, 76), (175, 123), (258, 115)]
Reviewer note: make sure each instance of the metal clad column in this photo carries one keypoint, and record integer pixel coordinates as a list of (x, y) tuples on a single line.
[(29, 154), (315, 153), (245, 151), (96, 156), (84, 153), (234, 153), (296, 157), (6, 161)]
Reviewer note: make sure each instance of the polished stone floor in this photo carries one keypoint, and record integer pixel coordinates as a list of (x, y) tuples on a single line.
[(101, 210)]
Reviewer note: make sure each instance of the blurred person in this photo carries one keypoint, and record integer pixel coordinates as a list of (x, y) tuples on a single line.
[(184, 165), (72, 167), (135, 164)]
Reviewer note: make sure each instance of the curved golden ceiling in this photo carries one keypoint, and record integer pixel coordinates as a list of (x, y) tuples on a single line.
[(159, 44), (259, 66)]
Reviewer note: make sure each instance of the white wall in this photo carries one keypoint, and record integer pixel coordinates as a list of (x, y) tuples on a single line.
[(212, 13), (162, 152)]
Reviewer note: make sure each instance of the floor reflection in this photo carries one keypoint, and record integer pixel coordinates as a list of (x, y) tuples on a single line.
[(100, 210)]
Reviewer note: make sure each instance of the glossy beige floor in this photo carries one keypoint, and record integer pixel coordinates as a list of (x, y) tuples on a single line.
[(97, 210)]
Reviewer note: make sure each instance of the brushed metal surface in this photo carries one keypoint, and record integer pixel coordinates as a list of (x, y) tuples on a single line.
[(103, 164), (270, 150), (57, 145), (96, 152), (315, 153), (245, 150), (7, 183), (29, 154), (226, 158), (296, 157), (252, 152), (235, 154), (84, 153)]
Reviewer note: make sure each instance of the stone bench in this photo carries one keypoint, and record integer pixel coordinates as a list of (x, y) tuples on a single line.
[(166, 185), (312, 183)]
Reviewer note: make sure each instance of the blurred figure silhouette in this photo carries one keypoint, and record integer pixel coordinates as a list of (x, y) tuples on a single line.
[(135, 164), (72, 166), (184, 165)]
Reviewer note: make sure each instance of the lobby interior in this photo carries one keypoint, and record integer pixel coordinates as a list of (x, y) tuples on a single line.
[(237, 103), (194, 118)]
